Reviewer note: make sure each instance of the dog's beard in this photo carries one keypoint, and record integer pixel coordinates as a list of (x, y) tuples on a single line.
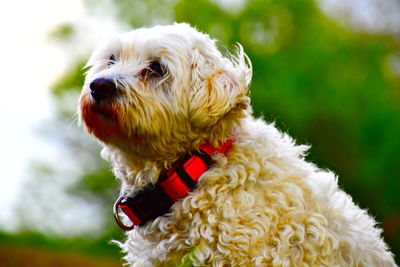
[(105, 121)]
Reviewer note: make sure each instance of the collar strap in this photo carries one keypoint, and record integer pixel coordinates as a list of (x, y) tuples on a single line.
[(175, 184)]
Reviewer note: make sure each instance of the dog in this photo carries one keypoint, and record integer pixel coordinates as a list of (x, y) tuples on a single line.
[(203, 181)]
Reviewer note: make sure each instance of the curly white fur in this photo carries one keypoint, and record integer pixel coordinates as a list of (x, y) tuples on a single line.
[(261, 204)]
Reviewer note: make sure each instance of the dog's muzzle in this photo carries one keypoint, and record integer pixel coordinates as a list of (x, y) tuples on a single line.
[(102, 89)]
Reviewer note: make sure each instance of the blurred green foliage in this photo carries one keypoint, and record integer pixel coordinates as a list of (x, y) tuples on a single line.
[(72, 80), (33, 249), (63, 31), (326, 85), (98, 247)]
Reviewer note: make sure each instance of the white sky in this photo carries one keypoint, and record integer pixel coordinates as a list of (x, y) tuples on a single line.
[(376, 16), (30, 65)]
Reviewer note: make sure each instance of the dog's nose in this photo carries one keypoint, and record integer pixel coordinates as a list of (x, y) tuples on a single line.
[(101, 89)]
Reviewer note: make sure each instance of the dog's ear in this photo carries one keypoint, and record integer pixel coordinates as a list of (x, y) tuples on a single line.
[(219, 87)]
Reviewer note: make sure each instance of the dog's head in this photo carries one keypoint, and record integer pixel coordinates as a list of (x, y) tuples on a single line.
[(157, 92)]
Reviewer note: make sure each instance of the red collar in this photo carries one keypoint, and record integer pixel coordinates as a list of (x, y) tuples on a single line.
[(175, 184)]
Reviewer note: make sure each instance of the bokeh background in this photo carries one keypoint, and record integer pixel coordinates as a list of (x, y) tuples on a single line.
[(325, 71)]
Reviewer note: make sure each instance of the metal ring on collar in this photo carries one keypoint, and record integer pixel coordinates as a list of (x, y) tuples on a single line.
[(117, 217)]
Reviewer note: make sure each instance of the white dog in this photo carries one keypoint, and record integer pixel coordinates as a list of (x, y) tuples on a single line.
[(203, 181)]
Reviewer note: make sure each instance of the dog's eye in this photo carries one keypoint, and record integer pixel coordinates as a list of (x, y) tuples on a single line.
[(155, 69), (111, 60)]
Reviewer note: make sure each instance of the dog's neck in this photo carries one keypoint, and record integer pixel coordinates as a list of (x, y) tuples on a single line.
[(137, 171), (137, 168), (173, 185)]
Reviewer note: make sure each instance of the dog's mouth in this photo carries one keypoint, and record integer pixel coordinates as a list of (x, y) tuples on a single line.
[(103, 120), (99, 109), (100, 119)]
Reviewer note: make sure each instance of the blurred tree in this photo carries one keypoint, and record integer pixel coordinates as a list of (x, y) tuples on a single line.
[(328, 86)]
